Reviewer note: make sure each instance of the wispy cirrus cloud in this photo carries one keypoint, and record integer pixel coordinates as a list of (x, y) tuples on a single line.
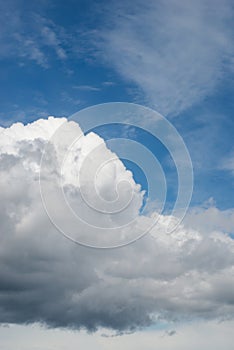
[(27, 35), (103, 85), (175, 52), (228, 163), (87, 88)]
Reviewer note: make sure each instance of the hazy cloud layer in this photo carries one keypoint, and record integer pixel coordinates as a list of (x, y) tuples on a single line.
[(46, 278)]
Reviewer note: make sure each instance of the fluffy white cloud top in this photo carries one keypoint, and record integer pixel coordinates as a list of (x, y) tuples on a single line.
[(46, 278)]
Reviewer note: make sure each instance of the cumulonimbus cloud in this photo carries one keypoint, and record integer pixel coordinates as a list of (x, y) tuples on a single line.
[(46, 278)]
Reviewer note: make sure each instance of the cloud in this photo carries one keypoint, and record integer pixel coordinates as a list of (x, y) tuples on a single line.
[(170, 333), (87, 88), (228, 163), (94, 88), (208, 335), (175, 52), (46, 278), (27, 35), (51, 39), (108, 83)]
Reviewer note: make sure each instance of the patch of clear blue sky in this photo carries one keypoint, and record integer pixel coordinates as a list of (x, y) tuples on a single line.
[(30, 90)]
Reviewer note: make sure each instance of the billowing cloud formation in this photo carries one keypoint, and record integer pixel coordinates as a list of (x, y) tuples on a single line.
[(47, 278)]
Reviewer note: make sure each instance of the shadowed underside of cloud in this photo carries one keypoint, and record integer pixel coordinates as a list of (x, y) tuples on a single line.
[(46, 278)]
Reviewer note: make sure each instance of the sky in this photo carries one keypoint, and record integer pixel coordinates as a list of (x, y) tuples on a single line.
[(128, 108)]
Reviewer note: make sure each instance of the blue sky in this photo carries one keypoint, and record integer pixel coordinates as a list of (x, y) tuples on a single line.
[(59, 57)]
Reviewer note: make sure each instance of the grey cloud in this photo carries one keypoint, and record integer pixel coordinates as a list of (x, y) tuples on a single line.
[(46, 278), (171, 333)]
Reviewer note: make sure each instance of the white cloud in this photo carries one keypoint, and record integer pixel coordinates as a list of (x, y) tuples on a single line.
[(46, 278), (228, 163), (175, 51), (87, 88), (210, 219), (51, 39), (26, 35)]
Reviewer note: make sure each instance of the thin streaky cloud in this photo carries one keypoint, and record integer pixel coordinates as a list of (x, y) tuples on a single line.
[(175, 52), (228, 163), (28, 36), (108, 83), (86, 88)]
